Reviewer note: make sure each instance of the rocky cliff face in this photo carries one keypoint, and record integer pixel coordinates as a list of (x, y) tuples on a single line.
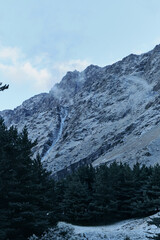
[(97, 116)]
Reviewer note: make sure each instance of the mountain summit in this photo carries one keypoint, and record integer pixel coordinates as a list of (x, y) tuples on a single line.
[(97, 116)]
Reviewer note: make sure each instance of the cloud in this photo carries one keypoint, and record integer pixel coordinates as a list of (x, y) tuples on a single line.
[(9, 53), (72, 65), (19, 70), (38, 73), (26, 73)]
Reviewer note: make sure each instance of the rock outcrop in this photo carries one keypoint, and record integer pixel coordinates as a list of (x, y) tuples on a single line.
[(97, 116)]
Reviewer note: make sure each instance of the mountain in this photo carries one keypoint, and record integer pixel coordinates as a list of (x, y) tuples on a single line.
[(97, 116)]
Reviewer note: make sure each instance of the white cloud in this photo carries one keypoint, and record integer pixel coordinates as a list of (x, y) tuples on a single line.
[(26, 73), (12, 54), (36, 73), (42, 78), (19, 70), (30, 76)]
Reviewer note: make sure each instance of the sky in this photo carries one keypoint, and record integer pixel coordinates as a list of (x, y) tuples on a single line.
[(40, 40)]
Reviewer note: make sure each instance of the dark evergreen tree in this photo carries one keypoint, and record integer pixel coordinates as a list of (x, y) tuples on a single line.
[(154, 189), (60, 188), (26, 189), (124, 191), (77, 197), (102, 195), (108, 194), (3, 87)]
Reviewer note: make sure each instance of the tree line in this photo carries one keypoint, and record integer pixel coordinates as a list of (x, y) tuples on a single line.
[(31, 201), (102, 195)]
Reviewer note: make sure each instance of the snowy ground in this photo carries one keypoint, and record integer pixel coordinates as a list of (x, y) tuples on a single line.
[(134, 229)]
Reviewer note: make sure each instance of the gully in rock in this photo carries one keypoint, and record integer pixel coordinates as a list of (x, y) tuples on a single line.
[(62, 117)]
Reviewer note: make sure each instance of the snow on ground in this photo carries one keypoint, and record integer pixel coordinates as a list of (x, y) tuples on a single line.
[(134, 229), (131, 144)]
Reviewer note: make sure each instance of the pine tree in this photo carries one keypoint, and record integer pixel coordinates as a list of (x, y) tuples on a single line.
[(26, 189), (75, 205), (102, 194), (3, 87), (154, 189), (60, 188)]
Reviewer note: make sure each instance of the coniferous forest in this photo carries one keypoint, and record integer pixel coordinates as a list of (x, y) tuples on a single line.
[(26, 190), (31, 201), (108, 194)]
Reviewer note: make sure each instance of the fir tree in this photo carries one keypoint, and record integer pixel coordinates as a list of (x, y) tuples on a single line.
[(75, 204), (108, 194), (26, 189), (102, 195), (3, 87)]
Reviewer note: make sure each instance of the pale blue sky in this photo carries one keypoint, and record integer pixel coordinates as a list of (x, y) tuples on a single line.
[(42, 39)]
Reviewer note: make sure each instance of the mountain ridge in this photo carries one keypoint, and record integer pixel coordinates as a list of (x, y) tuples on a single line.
[(93, 115)]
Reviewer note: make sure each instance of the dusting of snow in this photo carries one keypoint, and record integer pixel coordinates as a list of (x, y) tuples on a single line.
[(135, 229), (113, 114)]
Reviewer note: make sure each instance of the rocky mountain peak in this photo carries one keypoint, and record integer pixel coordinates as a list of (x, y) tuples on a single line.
[(70, 75), (91, 69), (99, 115), (157, 48)]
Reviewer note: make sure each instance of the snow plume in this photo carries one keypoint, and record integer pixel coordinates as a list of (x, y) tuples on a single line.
[(57, 92), (71, 65), (62, 68)]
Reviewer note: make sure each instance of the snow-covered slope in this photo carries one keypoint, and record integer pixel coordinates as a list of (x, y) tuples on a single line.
[(97, 116), (133, 229)]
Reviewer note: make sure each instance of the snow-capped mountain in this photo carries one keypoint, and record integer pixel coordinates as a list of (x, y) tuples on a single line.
[(97, 116)]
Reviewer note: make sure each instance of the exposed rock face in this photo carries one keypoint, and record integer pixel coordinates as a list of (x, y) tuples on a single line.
[(97, 116)]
